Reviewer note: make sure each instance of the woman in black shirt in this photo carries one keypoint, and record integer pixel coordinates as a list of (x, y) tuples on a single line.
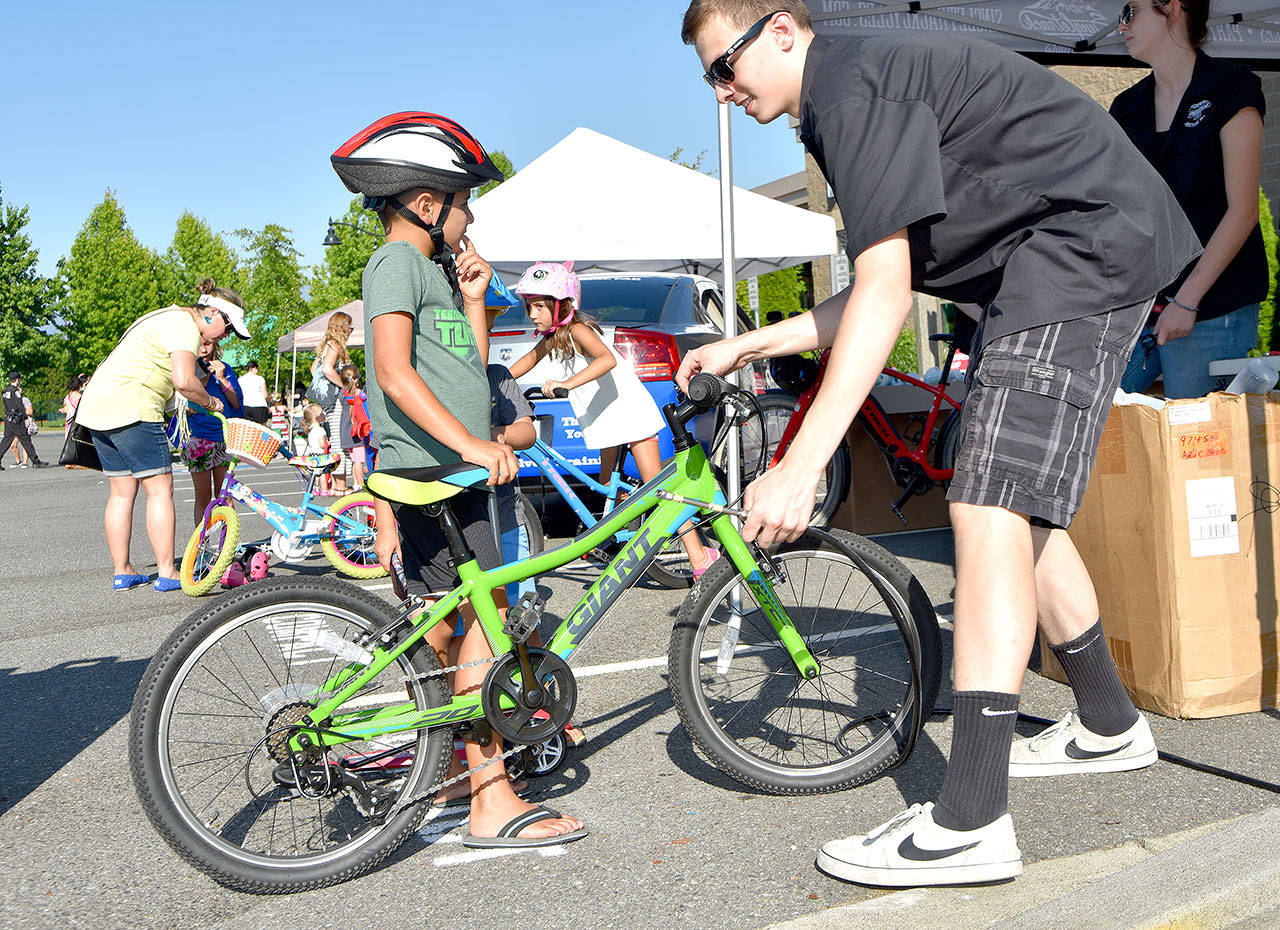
[(1198, 120)]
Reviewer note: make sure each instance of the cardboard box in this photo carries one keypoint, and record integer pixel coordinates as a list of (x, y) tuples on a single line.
[(866, 511), (1179, 529)]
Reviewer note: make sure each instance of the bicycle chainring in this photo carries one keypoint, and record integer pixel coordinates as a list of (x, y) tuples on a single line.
[(526, 723)]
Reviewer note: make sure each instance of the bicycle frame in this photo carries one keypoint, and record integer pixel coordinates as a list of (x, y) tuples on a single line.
[(544, 456), (288, 521), (875, 421), (688, 476)]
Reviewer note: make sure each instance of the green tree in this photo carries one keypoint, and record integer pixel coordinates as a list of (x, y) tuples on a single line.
[(196, 253), (504, 165), (111, 279), (336, 280), (272, 294), (695, 165), (785, 291)]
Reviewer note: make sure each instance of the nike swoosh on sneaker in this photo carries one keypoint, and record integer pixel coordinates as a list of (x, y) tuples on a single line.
[(908, 849), (1074, 751), (988, 712)]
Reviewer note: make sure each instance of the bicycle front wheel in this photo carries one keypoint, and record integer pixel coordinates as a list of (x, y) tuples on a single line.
[(349, 550), (759, 438), (210, 551), (867, 622), (211, 722)]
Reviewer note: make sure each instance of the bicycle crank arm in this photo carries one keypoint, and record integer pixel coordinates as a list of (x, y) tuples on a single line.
[(702, 505)]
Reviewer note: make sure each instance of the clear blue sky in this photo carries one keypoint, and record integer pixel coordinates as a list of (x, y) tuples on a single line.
[(232, 109)]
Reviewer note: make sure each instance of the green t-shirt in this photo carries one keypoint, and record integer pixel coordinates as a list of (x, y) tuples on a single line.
[(400, 279)]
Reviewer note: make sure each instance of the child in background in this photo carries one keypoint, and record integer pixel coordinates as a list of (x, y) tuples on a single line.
[(355, 423), (316, 442), (279, 416), (612, 406)]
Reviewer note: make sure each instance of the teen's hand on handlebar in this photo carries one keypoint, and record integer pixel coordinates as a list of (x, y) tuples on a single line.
[(474, 273), (496, 457), (717, 358), (779, 504)]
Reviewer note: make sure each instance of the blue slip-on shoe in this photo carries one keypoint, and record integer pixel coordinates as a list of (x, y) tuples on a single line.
[(167, 584), (125, 582)]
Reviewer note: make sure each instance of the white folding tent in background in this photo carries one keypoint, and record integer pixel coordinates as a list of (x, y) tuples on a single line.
[(307, 336), (1051, 31), (612, 207)]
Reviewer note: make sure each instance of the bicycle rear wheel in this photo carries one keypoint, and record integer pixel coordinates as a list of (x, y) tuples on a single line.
[(869, 624), (208, 732), (759, 439)]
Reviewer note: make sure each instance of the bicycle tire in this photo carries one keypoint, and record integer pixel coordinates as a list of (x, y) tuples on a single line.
[(209, 552), (184, 707), (756, 440), (880, 655), (354, 558), (948, 444), (532, 523)]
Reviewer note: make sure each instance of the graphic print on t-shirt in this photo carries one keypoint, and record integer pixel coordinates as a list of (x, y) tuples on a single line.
[(455, 333)]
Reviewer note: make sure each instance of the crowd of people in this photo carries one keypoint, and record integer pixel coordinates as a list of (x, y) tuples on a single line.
[(962, 170)]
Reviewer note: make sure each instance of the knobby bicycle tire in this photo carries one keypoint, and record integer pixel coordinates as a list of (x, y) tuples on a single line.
[(209, 552), (355, 558), (869, 624), (235, 673)]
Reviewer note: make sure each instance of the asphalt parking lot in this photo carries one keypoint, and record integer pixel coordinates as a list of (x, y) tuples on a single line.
[(674, 842)]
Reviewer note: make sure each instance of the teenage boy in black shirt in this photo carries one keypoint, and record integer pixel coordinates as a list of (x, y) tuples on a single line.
[(965, 171)]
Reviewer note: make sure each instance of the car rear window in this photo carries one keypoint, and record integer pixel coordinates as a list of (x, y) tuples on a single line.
[(613, 301)]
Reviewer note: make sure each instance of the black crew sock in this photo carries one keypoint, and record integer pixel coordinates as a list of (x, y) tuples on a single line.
[(1105, 707), (976, 789)]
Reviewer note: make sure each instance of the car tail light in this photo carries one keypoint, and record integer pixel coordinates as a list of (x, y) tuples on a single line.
[(653, 354), (509, 332)]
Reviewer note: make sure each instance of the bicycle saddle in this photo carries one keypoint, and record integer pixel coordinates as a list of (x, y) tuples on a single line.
[(421, 486), (322, 463)]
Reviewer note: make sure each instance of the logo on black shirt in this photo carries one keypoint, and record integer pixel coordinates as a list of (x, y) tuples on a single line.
[(1196, 113)]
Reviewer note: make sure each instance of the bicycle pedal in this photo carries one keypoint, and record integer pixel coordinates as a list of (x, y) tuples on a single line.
[(524, 617)]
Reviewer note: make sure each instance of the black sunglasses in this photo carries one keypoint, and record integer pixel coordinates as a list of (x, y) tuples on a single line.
[(721, 72), (1128, 11)]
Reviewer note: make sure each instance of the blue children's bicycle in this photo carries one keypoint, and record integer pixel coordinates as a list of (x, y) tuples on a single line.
[(344, 530)]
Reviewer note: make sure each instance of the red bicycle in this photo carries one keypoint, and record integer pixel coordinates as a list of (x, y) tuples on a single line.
[(920, 456)]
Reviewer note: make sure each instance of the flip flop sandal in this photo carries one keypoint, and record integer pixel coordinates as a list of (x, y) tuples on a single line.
[(507, 839)]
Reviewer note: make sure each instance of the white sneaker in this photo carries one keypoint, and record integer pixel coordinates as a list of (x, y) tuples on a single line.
[(1068, 747), (911, 850)]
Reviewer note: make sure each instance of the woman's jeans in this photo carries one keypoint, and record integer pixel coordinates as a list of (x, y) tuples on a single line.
[(1185, 362)]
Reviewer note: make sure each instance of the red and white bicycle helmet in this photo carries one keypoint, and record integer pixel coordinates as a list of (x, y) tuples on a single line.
[(555, 280), (409, 150)]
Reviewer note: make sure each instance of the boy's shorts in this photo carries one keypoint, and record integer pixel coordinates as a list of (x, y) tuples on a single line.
[(428, 566), (1037, 402)]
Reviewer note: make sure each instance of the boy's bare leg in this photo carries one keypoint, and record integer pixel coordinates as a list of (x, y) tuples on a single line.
[(995, 613), (493, 802), (1065, 599)]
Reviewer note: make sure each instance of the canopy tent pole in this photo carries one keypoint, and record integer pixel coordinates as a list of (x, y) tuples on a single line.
[(277, 390), (728, 266)]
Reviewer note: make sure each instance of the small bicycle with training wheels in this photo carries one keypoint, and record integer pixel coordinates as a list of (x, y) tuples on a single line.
[(345, 530), (293, 733)]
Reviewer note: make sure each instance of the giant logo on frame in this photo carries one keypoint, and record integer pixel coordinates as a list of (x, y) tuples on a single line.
[(1065, 19)]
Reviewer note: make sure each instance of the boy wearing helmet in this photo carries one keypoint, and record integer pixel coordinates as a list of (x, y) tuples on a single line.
[(429, 396), (968, 172)]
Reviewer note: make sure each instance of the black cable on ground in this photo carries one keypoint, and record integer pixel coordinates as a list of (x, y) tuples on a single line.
[(1166, 756)]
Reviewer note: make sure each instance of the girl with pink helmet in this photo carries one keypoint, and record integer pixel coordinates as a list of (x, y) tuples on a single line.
[(612, 406)]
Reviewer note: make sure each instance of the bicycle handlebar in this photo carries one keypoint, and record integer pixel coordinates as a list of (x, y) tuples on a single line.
[(535, 393)]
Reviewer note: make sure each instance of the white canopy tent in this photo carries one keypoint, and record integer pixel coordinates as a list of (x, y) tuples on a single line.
[(1051, 31), (612, 207), (307, 336)]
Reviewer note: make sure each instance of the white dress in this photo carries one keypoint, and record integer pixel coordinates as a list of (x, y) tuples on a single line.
[(615, 409)]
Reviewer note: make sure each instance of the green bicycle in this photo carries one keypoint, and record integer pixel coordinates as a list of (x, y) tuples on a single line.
[(293, 733)]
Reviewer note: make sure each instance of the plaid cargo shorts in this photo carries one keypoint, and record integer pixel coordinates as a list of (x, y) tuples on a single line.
[(1037, 402)]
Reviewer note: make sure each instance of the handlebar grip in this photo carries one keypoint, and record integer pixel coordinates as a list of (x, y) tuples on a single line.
[(706, 390), (534, 393), (560, 392)]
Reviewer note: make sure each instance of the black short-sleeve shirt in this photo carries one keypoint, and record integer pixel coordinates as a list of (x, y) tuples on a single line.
[(1017, 190), (1189, 158)]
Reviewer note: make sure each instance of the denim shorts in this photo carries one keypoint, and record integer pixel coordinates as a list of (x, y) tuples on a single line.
[(139, 449), (1032, 418)]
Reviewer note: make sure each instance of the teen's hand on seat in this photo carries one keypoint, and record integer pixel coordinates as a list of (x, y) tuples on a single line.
[(496, 457), (779, 504)]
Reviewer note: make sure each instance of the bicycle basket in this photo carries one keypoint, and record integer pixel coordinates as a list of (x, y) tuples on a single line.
[(251, 442)]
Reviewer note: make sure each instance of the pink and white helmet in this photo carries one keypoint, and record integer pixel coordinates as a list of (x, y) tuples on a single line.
[(555, 280)]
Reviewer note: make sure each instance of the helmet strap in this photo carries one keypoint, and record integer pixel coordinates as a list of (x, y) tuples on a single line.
[(441, 254)]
